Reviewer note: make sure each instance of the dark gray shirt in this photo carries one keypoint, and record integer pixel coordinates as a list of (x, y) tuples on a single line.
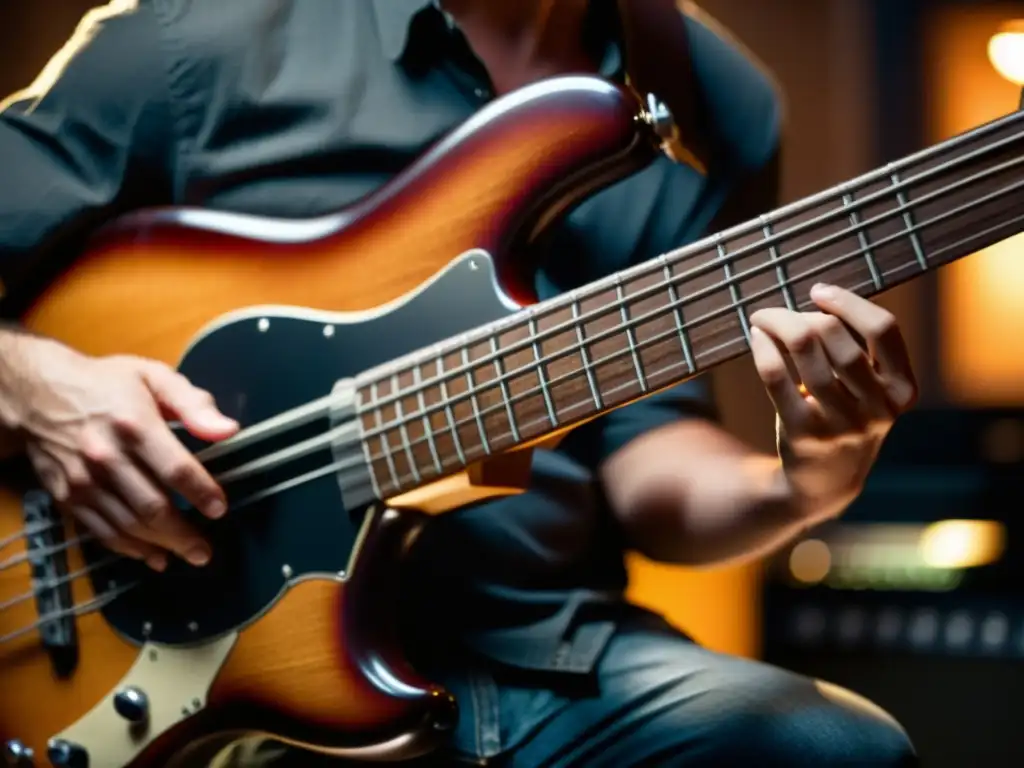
[(292, 108)]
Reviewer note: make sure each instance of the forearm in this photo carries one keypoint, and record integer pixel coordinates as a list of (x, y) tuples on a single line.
[(745, 512), (14, 383), (690, 494)]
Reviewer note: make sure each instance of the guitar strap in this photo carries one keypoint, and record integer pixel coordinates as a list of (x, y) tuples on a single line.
[(658, 61)]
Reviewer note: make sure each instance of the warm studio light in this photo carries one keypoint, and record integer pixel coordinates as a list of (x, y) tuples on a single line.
[(962, 543), (1006, 51), (810, 561), (980, 307)]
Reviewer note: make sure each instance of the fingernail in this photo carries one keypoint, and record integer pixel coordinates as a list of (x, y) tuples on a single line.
[(198, 556), (157, 562), (214, 419), (823, 291), (216, 509)]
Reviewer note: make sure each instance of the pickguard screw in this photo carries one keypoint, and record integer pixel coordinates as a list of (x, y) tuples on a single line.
[(286, 571)]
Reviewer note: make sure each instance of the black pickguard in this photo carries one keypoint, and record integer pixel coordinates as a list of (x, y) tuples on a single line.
[(257, 370)]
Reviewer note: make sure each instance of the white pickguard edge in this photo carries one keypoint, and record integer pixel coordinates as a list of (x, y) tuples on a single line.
[(176, 682)]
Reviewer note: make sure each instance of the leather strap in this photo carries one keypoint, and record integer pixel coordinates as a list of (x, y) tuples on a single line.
[(658, 62)]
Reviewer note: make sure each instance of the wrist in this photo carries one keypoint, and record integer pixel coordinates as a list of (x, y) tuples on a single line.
[(20, 376), (770, 486), (778, 491), (818, 490)]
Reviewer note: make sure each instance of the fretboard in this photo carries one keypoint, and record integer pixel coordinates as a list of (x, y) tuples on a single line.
[(567, 360)]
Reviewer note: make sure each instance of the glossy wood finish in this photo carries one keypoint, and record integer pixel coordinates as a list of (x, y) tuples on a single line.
[(150, 282), (153, 280), (323, 670)]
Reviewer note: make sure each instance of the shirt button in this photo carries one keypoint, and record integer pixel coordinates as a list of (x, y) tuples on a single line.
[(481, 93)]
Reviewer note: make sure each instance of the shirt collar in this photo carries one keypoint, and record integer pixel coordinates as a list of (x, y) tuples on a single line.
[(395, 21)]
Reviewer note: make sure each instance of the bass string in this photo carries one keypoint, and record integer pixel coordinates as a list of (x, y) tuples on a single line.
[(317, 408), (112, 594), (276, 460), (49, 584), (655, 339), (366, 482), (97, 603), (673, 306), (353, 481)]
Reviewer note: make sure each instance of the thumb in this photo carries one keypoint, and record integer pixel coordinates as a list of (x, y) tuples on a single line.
[(194, 407)]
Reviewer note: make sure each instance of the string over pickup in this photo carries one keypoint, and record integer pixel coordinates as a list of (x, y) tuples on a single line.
[(47, 553)]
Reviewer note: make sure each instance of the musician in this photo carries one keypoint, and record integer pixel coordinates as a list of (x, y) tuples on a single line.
[(294, 108)]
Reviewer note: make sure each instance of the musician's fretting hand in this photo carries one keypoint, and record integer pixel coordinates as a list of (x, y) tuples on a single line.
[(830, 431), (95, 431)]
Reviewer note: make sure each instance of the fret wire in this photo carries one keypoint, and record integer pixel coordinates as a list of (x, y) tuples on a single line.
[(449, 412), (817, 245), (591, 379), (720, 347), (734, 290), (400, 415), (908, 219), (620, 293), (865, 244), (484, 442), (421, 400), (368, 456), (538, 356), (780, 266), (846, 258), (503, 386), (674, 302), (385, 447)]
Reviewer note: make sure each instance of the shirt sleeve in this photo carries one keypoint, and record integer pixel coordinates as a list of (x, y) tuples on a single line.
[(89, 138), (745, 107)]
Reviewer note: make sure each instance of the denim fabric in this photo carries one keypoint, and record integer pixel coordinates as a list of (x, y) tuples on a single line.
[(657, 698)]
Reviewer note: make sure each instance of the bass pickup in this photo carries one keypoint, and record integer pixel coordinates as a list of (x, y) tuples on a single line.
[(47, 554)]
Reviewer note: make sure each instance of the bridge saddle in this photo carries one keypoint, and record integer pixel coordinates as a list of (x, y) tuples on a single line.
[(47, 552)]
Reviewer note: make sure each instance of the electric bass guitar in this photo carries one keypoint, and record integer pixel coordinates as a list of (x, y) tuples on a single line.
[(389, 363)]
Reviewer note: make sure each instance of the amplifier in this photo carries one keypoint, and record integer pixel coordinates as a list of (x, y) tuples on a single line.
[(915, 598)]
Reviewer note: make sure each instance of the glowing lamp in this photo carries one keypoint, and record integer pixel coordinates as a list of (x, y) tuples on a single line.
[(1006, 51), (962, 543)]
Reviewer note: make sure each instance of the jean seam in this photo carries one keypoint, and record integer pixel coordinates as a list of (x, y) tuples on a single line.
[(488, 715)]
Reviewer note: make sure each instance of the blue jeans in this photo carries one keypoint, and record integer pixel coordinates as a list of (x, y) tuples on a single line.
[(659, 699)]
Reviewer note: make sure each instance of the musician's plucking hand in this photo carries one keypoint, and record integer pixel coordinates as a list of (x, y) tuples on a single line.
[(96, 432)]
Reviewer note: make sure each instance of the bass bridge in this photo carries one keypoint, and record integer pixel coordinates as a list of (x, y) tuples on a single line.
[(47, 554)]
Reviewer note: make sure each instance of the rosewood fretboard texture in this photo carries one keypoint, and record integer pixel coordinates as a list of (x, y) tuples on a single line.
[(561, 362)]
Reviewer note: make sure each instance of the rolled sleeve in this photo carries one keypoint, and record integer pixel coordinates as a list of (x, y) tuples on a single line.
[(90, 137), (603, 437)]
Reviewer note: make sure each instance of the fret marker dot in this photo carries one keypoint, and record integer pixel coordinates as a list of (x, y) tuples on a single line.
[(328, 331), (263, 325)]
